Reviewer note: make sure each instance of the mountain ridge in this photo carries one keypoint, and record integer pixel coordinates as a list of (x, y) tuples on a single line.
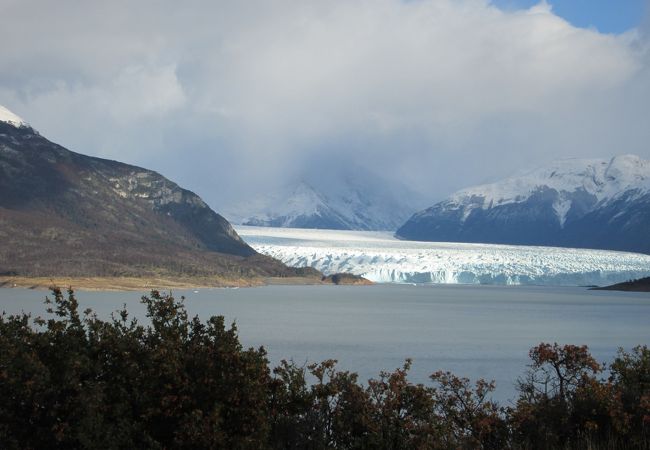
[(340, 199), (592, 203)]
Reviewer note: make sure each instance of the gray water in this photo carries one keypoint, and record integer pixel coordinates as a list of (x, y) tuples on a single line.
[(474, 331)]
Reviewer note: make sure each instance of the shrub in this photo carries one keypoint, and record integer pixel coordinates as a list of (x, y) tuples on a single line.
[(75, 381)]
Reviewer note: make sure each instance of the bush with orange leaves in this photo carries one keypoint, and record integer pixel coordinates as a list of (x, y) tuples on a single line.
[(564, 401)]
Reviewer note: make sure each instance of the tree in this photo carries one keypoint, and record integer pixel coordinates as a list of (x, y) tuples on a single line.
[(630, 375), (467, 414), (560, 398)]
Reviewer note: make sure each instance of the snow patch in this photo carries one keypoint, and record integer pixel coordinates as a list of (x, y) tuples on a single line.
[(11, 118), (561, 207)]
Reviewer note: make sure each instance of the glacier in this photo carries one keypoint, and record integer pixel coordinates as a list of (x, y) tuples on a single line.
[(380, 257)]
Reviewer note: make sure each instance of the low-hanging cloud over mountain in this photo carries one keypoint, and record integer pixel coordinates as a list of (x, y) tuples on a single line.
[(228, 97)]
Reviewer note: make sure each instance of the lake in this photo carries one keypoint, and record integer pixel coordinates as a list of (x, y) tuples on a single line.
[(474, 331)]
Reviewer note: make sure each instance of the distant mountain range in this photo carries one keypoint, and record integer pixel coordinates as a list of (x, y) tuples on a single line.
[(345, 199), (590, 203), (67, 214)]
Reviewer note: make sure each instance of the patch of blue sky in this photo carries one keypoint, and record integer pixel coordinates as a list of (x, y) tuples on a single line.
[(607, 16)]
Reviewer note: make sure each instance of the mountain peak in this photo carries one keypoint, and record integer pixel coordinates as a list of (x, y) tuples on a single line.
[(11, 118), (604, 179), (331, 200), (629, 167)]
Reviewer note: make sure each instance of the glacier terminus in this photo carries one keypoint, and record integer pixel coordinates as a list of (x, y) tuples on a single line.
[(380, 257)]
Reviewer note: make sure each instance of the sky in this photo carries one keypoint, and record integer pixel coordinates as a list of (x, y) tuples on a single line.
[(606, 16), (231, 98)]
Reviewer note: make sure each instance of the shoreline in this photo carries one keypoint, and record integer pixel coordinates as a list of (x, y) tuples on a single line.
[(129, 284), (120, 283)]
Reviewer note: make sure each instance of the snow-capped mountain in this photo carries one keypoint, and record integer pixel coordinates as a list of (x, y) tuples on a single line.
[(590, 203), (297, 206), (341, 201)]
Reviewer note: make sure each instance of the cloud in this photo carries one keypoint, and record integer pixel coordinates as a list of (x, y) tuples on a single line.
[(229, 97)]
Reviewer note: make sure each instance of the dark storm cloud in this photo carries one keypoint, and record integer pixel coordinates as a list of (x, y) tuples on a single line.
[(230, 97)]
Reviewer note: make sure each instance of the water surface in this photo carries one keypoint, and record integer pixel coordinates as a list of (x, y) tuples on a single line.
[(474, 331)]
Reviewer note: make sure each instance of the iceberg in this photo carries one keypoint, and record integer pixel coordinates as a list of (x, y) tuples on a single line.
[(380, 257)]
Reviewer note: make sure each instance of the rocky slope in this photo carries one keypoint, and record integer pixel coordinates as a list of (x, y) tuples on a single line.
[(572, 203), (67, 214)]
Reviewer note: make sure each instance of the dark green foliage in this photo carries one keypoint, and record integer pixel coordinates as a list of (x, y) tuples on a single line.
[(630, 373), (563, 403), (74, 381), (466, 413), (82, 382)]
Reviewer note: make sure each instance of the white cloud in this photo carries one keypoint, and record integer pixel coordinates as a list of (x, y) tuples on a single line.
[(442, 92)]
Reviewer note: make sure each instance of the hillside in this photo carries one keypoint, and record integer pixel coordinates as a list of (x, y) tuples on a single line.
[(638, 285), (64, 214)]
